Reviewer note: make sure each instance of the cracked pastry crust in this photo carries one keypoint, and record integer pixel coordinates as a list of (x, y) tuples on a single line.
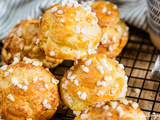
[(23, 41)]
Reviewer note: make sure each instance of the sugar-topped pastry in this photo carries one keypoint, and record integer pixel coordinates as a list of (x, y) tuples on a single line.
[(28, 92), (114, 31), (23, 41), (113, 40), (121, 109), (106, 12), (69, 31), (92, 79)]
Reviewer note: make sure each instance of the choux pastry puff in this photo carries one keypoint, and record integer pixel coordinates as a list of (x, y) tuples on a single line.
[(114, 31), (69, 31), (92, 79), (28, 92), (121, 109), (23, 41)]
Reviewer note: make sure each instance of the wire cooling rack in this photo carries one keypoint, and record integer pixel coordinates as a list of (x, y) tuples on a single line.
[(138, 57)]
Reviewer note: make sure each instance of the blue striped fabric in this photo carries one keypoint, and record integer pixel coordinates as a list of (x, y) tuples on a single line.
[(154, 16), (12, 11), (135, 13)]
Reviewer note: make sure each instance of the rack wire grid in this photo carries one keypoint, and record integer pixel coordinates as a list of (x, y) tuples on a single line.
[(138, 57)]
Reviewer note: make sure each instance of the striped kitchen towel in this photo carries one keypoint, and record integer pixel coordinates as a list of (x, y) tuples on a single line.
[(12, 11), (134, 13)]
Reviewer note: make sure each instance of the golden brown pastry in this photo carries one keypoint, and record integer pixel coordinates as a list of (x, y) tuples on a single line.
[(106, 12), (114, 31), (23, 41), (114, 110), (28, 92), (113, 39), (95, 78), (69, 31)]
